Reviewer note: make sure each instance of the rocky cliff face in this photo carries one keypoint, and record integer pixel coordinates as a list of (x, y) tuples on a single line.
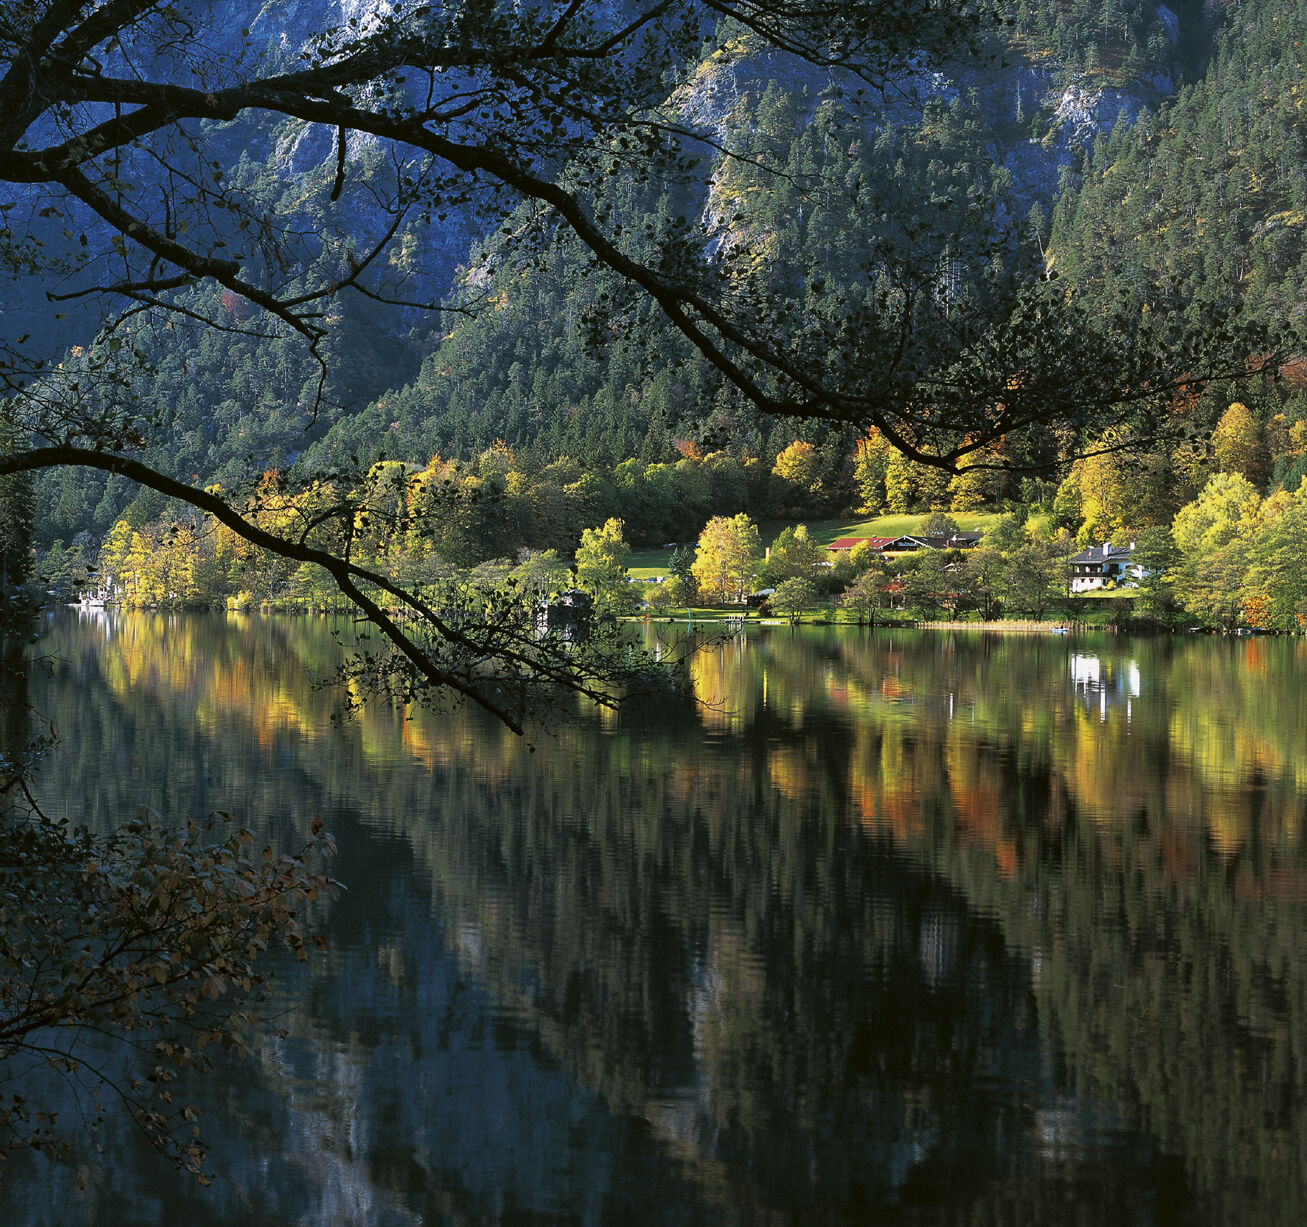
[(1043, 117), (1071, 116)]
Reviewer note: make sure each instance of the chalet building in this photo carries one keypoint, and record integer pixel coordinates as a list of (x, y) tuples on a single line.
[(939, 541), (1104, 565)]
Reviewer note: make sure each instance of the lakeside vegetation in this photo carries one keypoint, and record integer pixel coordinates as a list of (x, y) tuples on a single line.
[(1216, 530), (1226, 560)]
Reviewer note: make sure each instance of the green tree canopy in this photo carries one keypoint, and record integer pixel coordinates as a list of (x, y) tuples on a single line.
[(793, 598), (601, 565), (794, 555)]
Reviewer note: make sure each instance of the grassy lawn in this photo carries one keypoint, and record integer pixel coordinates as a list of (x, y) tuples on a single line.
[(695, 615), (827, 531), (651, 562), (648, 563), (1040, 522)]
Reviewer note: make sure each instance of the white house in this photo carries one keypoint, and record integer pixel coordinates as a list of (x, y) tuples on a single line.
[(1104, 565)]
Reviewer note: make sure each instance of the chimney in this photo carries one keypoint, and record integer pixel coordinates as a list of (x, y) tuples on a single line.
[(1107, 548)]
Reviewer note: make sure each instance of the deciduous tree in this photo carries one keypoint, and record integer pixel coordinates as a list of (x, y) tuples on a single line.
[(1239, 444), (794, 555), (872, 592), (870, 468), (793, 598), (1213, 535), (728, 557), (601, 566)]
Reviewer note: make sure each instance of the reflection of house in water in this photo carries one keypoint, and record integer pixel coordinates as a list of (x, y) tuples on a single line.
[(1105, 683), (569, 616)]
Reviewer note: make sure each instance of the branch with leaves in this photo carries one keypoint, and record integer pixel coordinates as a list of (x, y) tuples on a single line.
[(149, 938), (487, 646)]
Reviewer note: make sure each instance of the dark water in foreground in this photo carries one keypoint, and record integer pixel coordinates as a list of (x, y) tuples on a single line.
[(899, 928)]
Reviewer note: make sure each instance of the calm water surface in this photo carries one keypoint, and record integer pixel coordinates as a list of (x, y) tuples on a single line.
[(892, 928)]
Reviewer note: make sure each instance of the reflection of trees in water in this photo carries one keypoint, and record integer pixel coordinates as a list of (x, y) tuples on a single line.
[(1148, 859), (15, 723), (785, 1002), (725, 935)]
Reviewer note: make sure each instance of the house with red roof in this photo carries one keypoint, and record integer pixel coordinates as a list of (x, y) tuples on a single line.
[(842, 545)]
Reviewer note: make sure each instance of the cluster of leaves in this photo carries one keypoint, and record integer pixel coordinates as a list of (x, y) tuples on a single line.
[(126, 955)]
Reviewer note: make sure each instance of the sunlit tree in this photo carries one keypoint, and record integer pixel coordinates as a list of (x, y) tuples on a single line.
[(1213, 536), (728, 557), (601, 566), (871, 465), (872, 593), (793, 598), (795, 555), (1239, 444)]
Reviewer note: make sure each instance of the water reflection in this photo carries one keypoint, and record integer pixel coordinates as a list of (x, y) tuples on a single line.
[(895, 927)]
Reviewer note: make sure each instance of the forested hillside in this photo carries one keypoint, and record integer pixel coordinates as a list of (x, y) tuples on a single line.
[(952, 191), (1210, 192), (850, 195)]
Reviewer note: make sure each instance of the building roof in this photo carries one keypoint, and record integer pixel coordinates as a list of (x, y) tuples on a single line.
[(944, 541), (912, 541), (1107, 552), (847, 543)]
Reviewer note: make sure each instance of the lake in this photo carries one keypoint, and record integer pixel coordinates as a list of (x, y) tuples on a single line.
[(890, 926)]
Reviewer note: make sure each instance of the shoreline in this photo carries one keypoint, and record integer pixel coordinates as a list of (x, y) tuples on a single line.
[(728, 620), (1025, 626), (1002, 624)]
